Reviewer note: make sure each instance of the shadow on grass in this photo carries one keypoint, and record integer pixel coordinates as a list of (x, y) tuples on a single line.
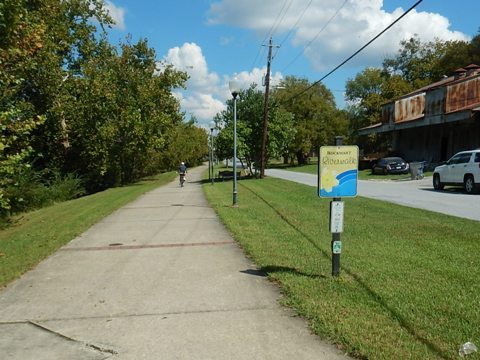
[(203, 181), (220, 180), (254, 272), (287, 166), (394, 315), (271, 269)]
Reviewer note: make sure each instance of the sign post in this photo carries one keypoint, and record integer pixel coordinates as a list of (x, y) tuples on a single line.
[(337, 177)]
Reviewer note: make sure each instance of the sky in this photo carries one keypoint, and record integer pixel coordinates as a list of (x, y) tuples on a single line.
[(217, 40)]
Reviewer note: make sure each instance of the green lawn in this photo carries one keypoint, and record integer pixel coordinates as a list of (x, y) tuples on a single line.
[(408, 287), (37, 234)]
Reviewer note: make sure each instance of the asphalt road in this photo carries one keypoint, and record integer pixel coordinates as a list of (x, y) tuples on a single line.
[(413, 193)]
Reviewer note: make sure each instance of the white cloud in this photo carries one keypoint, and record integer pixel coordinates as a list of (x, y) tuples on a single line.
[(201, 98), (356, 23), (255, 76), (206, 92), (203, 106), (117, 14), (190, 58)]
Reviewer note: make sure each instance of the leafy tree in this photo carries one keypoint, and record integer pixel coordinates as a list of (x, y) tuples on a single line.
[(123, 112), (39, 42), (281, 131), (250, 104), (46, 41), (416, 62), (315, 116), (423, 63), (15, 150), (459, 54), (369, 90), (249, 127), (185, 143), (71, 102), (366, 94)]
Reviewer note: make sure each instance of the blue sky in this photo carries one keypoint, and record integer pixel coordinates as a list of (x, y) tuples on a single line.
[(214, 40)]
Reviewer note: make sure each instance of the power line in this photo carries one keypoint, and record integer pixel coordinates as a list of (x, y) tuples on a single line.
[(260, 50), (296, 23), (292, 28), (272, 29), (355, 53), (275, 22), (278, 24), (316, 36), (283, 17)]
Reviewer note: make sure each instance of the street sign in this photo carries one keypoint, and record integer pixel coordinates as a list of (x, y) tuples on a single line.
[(338, 171), (336, 216)]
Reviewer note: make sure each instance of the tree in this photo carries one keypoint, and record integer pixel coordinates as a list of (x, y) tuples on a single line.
[(315, 116), (39, 39), (281, 131), (250, 127), (46, 42), (423, 63), (366, 94), (72, 103), (185, 143), (369, 90), (123, 111), (459, 54)]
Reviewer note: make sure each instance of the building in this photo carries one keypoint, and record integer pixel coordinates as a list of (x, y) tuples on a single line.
[(434, 122)]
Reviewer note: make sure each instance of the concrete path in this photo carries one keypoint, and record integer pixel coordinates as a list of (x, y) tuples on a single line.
[(159, 279)]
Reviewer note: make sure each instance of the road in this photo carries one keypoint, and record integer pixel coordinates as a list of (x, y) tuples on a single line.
[(413, 193)]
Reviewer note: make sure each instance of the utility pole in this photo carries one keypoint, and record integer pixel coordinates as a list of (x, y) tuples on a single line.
[(265, 113)]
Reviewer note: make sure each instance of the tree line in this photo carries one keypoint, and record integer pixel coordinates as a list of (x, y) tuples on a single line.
[(75, 107)]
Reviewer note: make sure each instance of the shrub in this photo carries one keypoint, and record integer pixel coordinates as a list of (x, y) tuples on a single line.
[(32, 190)]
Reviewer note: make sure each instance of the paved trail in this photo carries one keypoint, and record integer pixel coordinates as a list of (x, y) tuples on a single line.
[(160, 278)]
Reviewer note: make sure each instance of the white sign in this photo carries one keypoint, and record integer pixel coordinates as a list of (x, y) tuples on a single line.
[(336, 216), (337, 247)]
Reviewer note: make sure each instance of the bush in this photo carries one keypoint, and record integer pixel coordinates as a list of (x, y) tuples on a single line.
[(63, 188), (32, 190)]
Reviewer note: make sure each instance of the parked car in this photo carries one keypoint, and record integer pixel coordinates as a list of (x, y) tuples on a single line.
[(390, 165), (463, 169)]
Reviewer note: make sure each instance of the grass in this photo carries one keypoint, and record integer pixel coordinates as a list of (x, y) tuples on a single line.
[(408, 287), (35, 235)]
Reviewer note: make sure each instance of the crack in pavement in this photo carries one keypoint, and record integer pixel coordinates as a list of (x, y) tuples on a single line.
[(119, 246), (37, 325), (126, 316)]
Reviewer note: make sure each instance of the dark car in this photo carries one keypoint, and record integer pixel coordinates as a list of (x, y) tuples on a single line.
[(390, 165)]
